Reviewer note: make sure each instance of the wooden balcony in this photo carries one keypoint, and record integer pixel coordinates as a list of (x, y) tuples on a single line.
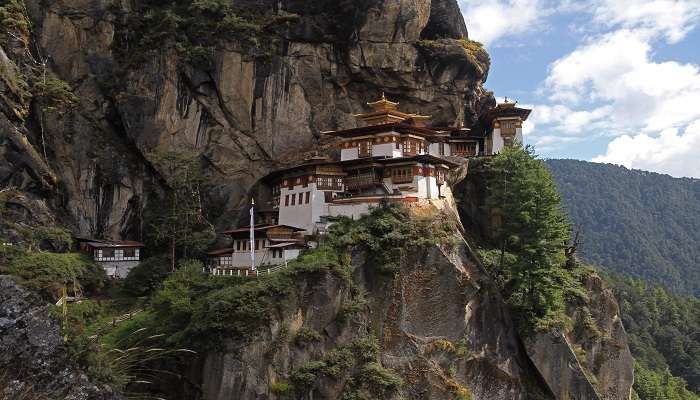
[(361, 181), (396, 179)]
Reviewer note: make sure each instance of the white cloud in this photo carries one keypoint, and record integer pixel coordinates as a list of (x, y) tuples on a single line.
[(672, 19), (613, 80), (612, 84), (669, 152), (490, 20), (569, 121)]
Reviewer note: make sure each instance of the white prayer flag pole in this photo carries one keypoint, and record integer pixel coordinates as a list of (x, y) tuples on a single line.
[(252, 234)]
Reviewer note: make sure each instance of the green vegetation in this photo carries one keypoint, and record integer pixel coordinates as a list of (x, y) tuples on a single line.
[(653, 385), (664, 333), (280, 388), (644, 225), (177, 220), (532, 234), (386, 234), (474, 53), (32, 236), (357, 361), (306, 335), (636, 223), (53, 94), (192, 308), (380, 379), (194, 29), (47, 273), (147, 277), (13, 17), (352, 306)]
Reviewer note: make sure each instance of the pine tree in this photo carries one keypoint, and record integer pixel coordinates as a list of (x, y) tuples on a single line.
[(178, 220), (531, 225)]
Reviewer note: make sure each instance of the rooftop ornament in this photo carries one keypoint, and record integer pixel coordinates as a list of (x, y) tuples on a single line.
[(385, 111)]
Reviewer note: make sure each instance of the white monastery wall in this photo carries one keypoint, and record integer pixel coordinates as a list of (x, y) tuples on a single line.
[(497, 141), (298, 215), (349, 154), (385, 150), (319, 209), (354, 210), (118, 269)]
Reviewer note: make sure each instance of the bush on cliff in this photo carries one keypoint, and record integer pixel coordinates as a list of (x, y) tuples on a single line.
[(192, 28), (147, 277), (386, 233), (191, 308), (47, 273)]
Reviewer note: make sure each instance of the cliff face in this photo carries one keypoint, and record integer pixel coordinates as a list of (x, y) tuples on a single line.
[(33, 359), (591, 360), (86, 162), (588, 360), (246, 115), (441, 327)]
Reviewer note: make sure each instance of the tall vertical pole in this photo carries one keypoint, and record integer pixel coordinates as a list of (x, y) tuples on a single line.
[(64, 298), (252, 234)]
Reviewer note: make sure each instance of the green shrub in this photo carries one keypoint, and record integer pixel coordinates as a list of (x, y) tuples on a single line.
[(386, 233), (352, 306), (12, 17), (53, 94), (280, 388), (52, 238), (305, 376), (194, 29), (473, 52), (338, 361), (47, 273), (381, 379), (476, 54), (306, 335), (366, 348), (147, 277)]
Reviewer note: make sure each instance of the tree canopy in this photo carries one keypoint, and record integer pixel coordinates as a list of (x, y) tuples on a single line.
[(532, 230), (637, 223), (664, 332)]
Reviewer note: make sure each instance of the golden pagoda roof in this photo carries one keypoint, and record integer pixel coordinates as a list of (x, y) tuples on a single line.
[(383, 104), (386, 111)]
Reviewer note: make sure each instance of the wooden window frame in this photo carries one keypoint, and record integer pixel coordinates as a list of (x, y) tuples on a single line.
[(402, 175), (364, 149)]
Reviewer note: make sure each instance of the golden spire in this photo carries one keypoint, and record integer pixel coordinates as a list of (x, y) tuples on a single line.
[(383, 104), (385, 111)]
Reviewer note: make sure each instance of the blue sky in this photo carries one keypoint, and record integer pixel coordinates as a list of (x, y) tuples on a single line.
[(609, 80)]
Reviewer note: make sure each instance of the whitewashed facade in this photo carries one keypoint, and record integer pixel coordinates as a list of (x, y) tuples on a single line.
[(273, 245), (117, 258)]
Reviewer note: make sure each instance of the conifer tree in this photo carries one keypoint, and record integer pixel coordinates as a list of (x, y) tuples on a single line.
[(178, 219), (531, 225)]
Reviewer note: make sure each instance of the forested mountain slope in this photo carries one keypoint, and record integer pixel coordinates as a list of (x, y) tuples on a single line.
[(664, 336), (637, 223)]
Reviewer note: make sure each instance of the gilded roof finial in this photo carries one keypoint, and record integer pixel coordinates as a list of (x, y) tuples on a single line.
[(385, 111)]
